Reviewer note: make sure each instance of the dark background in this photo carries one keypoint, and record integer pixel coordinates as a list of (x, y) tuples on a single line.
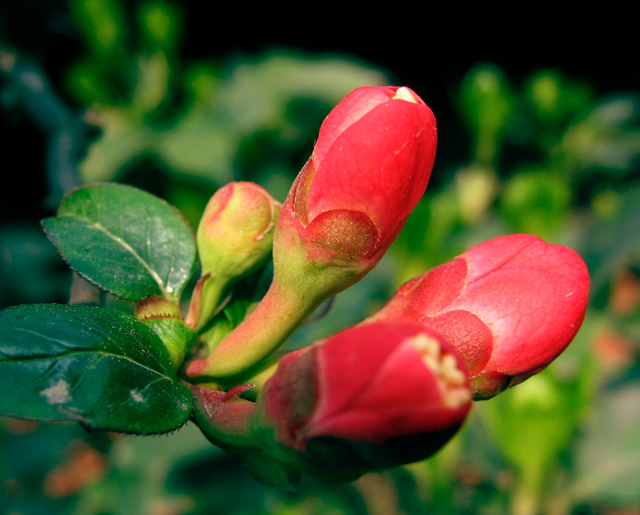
[(417, 46)]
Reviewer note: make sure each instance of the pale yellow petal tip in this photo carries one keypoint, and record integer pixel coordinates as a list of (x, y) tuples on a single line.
[(451, 380), (407, 95)]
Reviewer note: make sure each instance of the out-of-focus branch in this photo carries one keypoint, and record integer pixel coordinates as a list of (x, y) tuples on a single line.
[(65, 131), (66, 139)]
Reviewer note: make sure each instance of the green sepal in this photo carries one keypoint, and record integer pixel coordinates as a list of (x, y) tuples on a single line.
[(164, 318), (176, 336), (226, 420)]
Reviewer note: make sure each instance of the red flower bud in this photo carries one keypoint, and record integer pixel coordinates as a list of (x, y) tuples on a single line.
[(509, 306), (369, 397), (369, 168)]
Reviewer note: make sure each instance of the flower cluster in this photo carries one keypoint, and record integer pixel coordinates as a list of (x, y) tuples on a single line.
[(396, 387)]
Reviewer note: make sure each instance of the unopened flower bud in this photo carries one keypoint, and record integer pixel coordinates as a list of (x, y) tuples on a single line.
[(369, 168), (369, 397), (235, 237), (509, 307)]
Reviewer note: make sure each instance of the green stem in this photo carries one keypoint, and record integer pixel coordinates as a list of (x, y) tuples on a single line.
[(276, 317), (205, 300), (527, 493)]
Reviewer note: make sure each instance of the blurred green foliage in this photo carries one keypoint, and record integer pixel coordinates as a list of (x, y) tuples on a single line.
[(545, 156)]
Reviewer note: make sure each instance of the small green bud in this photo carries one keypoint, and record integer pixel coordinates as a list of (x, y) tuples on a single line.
[(236, 231), (235, 237)]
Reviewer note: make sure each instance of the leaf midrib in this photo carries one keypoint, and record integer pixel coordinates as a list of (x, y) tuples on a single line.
[(71, 354), (155, 276)]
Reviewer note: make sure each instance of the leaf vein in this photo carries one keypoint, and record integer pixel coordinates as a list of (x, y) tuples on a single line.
[(101, 353), (121, 241)]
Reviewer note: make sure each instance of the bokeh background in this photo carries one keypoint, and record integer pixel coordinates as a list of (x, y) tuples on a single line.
[(539, 132)]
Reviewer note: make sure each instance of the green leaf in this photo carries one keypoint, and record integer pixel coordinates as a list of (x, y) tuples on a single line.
[(99, 367), (124, 240)]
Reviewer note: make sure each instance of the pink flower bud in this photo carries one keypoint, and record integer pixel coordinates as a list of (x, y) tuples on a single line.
[(509, 306), (369, 397), (235, 237), (369, 168)]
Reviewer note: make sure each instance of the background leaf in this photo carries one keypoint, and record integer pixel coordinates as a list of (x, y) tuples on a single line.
[(608, 459), (99, 367), (125, 240)]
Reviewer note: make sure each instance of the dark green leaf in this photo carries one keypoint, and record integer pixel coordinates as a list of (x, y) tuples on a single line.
[(99, 367), (125, 240)]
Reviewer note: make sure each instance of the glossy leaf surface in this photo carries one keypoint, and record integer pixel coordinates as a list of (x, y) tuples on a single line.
[(99, 367), (124, 240)]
